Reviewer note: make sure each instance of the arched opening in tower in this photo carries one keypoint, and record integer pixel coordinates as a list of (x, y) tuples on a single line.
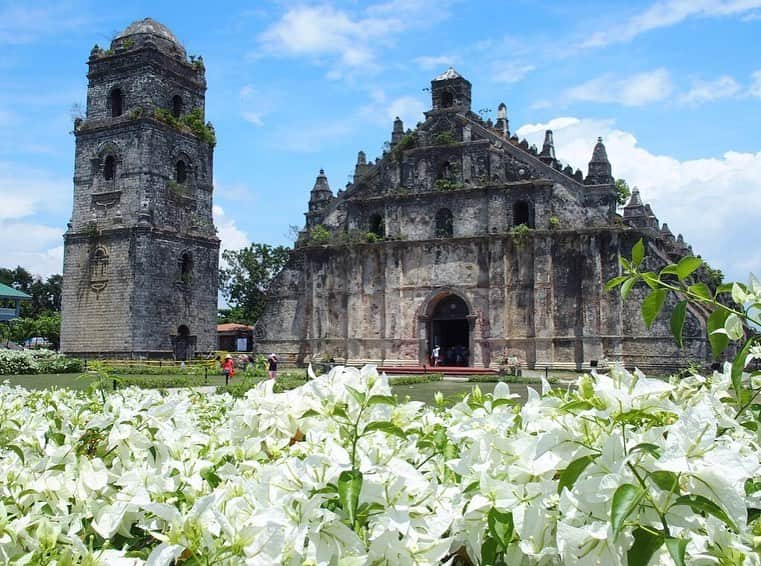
[(450, 331), (447, 99), (182, 343), (444, 223), (109, 168), (177, 106), (181, 172), (117, 103)]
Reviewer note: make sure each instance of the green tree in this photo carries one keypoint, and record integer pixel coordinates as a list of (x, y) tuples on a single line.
[(245, 280), (623, 192), (46, 294)]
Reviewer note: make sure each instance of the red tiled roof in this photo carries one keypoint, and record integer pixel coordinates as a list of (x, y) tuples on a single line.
[(233, 327)]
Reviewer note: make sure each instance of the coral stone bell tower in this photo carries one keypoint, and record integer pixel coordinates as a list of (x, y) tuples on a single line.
[(141, 251)]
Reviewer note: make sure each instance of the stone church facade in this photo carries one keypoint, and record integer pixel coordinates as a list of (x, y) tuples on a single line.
[(465, 237), (141, 251)]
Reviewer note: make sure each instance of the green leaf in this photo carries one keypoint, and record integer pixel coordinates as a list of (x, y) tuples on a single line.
[(340, 411), (359, 396), (699, 504), (624, 263), (669, 270), (653, 449), (724, 288), (627, 287), (715, 322), (676, 548), (651, 279), (625, 500), (385, 426), (349, 486), (310, 413), (738, 365), (501, 526), (638, 253), (572, 472), (652, 305), (667, 481), (18, 451), (677, 321), (687, 265), (382, 400), (701, 290), (615, 282), (489, 552), (645, 544)]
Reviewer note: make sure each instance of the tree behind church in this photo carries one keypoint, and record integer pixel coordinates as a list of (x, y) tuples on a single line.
[(245, 280)]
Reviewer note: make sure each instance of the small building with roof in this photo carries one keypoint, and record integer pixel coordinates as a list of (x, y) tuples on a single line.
[(235, 337), (10, 302)]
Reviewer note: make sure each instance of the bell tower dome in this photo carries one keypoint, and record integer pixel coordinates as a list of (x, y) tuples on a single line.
[(451, 91)]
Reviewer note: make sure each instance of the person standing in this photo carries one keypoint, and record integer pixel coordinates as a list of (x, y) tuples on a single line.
[(272, 359), (435, 355), (228, 367)]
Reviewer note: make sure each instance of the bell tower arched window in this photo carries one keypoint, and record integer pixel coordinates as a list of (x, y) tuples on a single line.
[(117, 103), (444, 223), (181, 172), (177, 106), (109, 168), (186, 268), (447, 99)]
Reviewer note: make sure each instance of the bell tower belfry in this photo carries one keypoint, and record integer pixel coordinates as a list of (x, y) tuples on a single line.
[(141, 252)]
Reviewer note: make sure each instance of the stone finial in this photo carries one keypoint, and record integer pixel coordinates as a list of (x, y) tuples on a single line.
[(361, 158), (398, 132), (548, 149), (578, 175), (503, 124), (600, 172), (635, 199)]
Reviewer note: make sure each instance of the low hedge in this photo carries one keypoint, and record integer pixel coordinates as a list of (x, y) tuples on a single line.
[(25, 362)]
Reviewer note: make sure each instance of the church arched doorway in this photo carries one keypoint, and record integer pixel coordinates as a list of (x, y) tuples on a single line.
[(449, 329), (182, 344)]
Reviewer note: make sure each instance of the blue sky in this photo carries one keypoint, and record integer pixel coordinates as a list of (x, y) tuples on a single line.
[(674, 88)]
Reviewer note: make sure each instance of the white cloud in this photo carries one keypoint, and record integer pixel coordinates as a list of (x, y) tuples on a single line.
[(636, 90), (24, 23), (755, 87), (36, 247), (715, 201), (24, 191), (325, 31), (232, 237), (708, 91), (347, 41), (255, 104), (437, 62), (408, 108), (510, 71), (668, 13)]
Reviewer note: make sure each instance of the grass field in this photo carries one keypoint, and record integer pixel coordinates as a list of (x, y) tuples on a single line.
[(415, 392)]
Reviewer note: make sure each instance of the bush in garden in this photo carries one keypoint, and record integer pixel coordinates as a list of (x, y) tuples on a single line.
[(18, 362)]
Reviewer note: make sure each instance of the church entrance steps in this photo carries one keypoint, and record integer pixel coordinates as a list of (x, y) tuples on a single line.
[(446, 370)]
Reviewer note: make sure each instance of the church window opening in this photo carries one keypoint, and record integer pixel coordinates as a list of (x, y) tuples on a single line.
[(447, 99), (177, 106), (186, 268), (109, 168), (117, 103), (445, 170), (522, 214), (444, 223), (377, 226), (181, 172)]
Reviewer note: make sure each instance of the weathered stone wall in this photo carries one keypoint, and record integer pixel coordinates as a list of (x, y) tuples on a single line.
[(542, 298)]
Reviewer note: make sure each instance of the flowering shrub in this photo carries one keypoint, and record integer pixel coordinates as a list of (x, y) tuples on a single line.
[(15, 362), (621, 469)]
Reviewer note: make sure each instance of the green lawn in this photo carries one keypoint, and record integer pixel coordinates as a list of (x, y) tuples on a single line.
[(415, 392)]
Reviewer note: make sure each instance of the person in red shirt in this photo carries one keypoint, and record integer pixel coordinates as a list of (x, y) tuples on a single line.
[(228, 366)]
